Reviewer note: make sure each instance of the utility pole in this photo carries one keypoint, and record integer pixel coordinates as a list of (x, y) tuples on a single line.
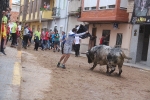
[(25, 8)]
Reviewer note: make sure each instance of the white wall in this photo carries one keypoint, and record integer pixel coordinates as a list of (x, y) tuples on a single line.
[(15, 8), (76, 4)]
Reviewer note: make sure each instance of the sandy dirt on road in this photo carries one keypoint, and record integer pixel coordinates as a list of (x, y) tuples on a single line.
[(77, 82)]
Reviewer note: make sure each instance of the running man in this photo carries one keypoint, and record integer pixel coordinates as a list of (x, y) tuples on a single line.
[(68, 46)]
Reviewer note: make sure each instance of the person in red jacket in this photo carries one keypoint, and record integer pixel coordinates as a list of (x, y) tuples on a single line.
[(47, 37), (103, 40)]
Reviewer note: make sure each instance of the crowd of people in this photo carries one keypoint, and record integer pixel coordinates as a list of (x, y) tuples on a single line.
[(5, 29), (42, 38)]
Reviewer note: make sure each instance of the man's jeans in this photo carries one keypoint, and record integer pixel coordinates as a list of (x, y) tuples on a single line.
[(44, 44), (48, 44)]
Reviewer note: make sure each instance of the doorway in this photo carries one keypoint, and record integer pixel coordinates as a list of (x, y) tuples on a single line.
[(145, 43), (92, 41)]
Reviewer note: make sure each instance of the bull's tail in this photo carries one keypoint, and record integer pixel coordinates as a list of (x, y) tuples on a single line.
[(124, 56)]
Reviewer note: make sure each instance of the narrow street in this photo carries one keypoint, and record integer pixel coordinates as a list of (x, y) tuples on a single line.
[(42, 80)]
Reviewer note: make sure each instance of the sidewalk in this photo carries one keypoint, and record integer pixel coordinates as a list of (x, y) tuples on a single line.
[(10, 74), (137, 65)]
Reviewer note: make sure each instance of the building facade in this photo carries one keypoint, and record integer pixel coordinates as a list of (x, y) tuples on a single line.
[(140, 44), (15, 8), (107, 17), (39, 13)]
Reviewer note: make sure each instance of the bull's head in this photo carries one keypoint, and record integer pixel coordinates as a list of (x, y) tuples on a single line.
[(83, 29), (88, 54)]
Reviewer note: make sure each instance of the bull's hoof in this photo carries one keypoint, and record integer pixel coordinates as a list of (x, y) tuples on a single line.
[(91, 68), (119, 75)]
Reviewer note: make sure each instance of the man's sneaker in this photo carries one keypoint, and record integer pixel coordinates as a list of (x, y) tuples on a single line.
[(58, 65), (63, 66)]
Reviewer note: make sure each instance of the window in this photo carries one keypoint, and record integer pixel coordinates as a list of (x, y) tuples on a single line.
[(21, 10), (87, 8), (93, 8), (111, 6), (107, 4), (106, 34), (104, 7), (119, 40), (61, 29)]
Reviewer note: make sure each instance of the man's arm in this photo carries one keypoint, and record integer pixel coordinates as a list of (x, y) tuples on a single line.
[(80, 34)]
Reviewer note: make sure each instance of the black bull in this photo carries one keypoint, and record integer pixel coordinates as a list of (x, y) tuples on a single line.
[(105, 55), (83, 29)]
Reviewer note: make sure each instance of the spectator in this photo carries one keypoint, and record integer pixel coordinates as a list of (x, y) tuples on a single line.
[(92, 41), (63, 40), (103, 40), (47, 36), (53, 40), (37, 36), (43, 37), (4, 32), (56, 43), (13, 34), (77, 41), (26, 36)]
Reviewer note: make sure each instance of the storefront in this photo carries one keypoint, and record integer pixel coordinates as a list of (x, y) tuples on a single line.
[(140, 40)]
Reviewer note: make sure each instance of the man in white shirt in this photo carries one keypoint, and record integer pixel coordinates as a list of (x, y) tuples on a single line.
[(77, 41)]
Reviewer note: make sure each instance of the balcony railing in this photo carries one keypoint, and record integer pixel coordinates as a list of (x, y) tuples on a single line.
[(56, 12)]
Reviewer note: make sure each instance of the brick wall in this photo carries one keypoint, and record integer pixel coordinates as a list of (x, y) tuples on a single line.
[(14, 16)]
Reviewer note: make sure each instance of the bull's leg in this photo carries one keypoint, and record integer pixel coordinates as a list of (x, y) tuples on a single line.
[(107, 69), (120, 69), (112, 70), (94, 65)]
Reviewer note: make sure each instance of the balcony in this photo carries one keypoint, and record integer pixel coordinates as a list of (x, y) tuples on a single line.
[(47, 15), (56, 12), (109, 15), (111, 12)]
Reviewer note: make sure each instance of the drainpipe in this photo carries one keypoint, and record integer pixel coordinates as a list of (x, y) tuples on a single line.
[(67, 17)]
